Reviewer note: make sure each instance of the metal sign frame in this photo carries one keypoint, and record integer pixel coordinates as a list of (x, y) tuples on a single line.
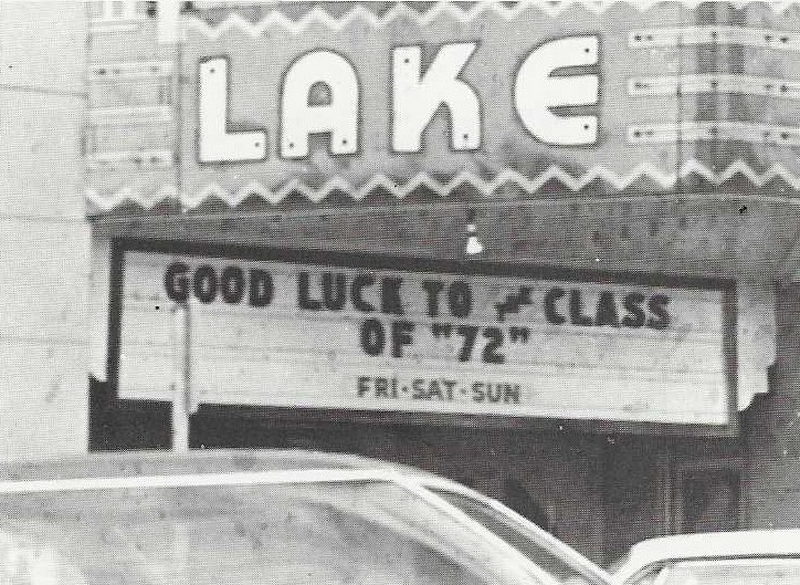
[(366, 261)]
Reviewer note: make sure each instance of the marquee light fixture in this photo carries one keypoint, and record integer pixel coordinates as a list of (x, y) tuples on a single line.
[(474, 245)]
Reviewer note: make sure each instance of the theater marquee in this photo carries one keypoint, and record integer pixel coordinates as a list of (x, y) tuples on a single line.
[(339, 334), (310, 102)]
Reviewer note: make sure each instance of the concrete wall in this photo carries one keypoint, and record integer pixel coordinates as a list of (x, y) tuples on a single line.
[(44, 237)]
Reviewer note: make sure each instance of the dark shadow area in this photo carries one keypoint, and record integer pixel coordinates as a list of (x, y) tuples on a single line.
[(126, 424)]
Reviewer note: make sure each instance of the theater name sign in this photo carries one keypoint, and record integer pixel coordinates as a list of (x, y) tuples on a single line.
[(279, 99), (356, 97), (416, 95), (283, 99)]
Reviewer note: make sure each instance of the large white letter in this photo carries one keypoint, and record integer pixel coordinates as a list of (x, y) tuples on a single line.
[(216, 144), (415, 99), (339, 116), (535, 91)]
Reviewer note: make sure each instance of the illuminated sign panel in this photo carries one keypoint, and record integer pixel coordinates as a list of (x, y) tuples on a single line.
[(346, 336)]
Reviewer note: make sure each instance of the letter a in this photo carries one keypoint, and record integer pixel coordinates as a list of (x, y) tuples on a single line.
[(339, 117)]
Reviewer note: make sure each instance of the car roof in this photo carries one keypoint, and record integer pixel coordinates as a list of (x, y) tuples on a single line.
[(741, 543), (129, 464), (103, 469)]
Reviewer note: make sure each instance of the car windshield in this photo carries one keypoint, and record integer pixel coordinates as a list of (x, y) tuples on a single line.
[(516, 534), (618, 563), (335, 533), (760, 571)]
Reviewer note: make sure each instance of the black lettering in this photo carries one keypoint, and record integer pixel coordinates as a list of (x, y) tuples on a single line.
[(435, 390), (401, 335), (232, 284), (260, 288), (657, 305), (360, 282), (433, 288), (478, 394), (176, 283), (302, 294), (450, 386), (495, 337), (334, 300), (550, 306), (363, 385), (494, 392), (607, 310), (512, 394), (373, 338), (469, 333), (390, 296), (459, 299), (633, 305), (576, 315), (418, 386), (205, 284), (381, 388)]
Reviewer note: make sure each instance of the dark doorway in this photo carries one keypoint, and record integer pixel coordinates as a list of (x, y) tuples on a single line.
[(710, 500)]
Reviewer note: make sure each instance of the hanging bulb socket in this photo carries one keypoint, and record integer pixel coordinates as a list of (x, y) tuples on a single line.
[(474, 245)]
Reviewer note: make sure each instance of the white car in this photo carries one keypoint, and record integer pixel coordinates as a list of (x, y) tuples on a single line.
[(752, 557), (252, 518)]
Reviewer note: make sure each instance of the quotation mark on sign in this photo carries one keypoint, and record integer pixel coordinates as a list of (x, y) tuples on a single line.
[(519, 334)]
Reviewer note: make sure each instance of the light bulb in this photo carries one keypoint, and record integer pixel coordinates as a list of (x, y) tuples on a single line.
[(474, 245)]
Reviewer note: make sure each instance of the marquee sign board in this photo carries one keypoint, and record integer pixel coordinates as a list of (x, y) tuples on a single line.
[(343, 335)]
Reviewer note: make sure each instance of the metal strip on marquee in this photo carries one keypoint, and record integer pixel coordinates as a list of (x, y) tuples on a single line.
[(442, 188), (674, 85), (695, 131), (722, 35)]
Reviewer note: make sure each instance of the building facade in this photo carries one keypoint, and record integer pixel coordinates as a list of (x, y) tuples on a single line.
[(547, 250), (44, 345)]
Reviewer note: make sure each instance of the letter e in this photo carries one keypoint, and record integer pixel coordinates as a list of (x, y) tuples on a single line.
[(536, 91)]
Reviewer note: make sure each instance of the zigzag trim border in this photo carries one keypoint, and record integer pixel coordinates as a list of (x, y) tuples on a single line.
[(666, 180), (318, 15)]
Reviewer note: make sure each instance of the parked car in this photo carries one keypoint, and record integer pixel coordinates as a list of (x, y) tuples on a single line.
[(278, 517), (761, 557)]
